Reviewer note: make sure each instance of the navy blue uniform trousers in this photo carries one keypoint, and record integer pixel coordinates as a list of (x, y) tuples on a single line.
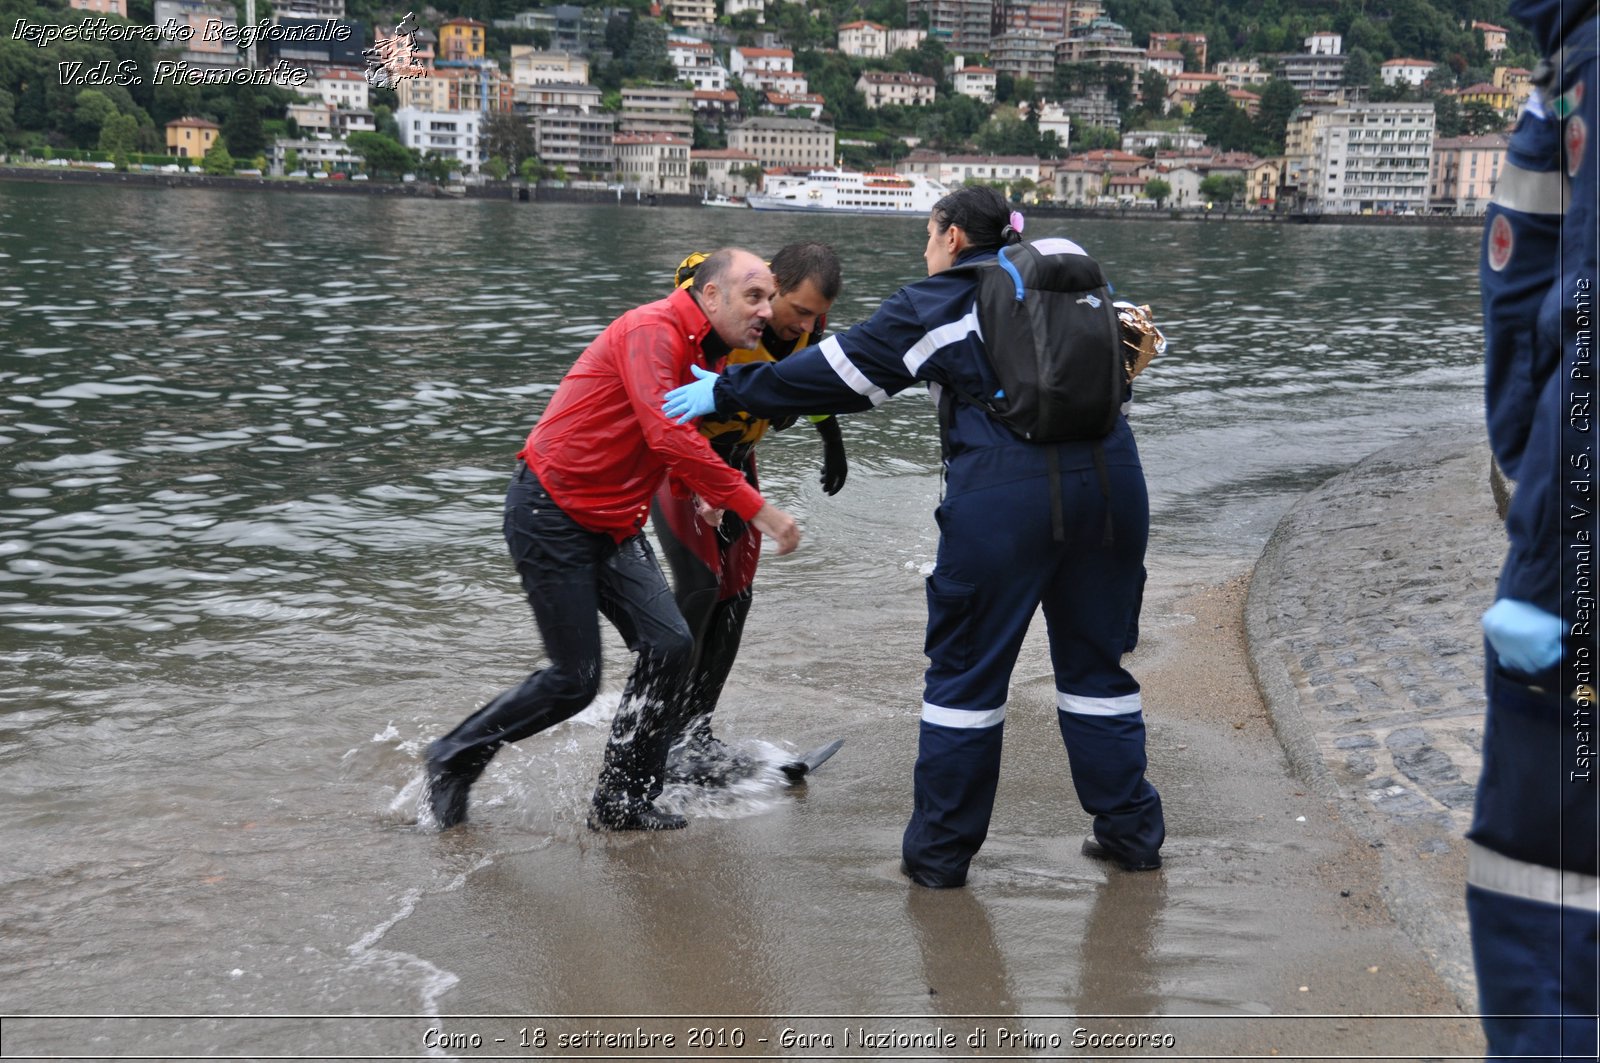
[(998, 563)]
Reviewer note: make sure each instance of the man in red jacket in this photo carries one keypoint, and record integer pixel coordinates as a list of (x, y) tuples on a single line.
[(574, 520)]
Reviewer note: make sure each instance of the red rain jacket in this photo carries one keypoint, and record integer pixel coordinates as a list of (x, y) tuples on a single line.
[(603, 445)]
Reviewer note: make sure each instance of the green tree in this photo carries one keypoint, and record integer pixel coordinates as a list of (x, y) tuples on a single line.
[(1158, 190), (508, 136), (8, 118), (497, 168), (119, 134), (217, 161), (530, 169), (1479, 117), (1153, 94), (90, 110), (243, 125), (437, 168), (291, 161), (380, 155), (1227, 128), (1278, 101), (1359, 69), (1217, 188)]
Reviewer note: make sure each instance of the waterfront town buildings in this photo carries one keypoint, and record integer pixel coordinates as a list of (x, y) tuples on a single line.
[(1342, 154)]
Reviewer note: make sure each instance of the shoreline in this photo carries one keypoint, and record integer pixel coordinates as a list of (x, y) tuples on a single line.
[(518, 191)]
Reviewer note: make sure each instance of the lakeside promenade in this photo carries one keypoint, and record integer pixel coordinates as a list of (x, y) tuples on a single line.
[(1363, 625)]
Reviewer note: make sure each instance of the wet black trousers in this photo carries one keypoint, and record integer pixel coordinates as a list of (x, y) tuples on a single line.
[(572, 576)]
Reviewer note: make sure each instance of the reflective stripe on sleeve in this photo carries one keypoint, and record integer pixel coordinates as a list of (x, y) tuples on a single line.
[(1489, 870), (1122, 705), (963, 719), (833, 351), (1531, 192), (942, 336)]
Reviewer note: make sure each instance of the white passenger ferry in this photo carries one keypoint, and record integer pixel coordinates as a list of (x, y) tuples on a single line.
[(850, 192)]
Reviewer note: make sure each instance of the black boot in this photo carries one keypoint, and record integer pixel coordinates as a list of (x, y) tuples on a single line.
[(620, 810), (449, 779), (700, 759)]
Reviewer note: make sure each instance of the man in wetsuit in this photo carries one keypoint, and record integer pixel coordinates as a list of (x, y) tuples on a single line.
[(714, 564), (574, 519)]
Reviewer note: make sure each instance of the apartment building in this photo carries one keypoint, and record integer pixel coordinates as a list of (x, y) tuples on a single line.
[(580, 141), (975, 81), (723, 171), (1023, 54), (455, 135), (1464, 172), (696, 63), (960, 25), (1364, 158), (864, 40), (340, 88), (653, 162), (886, 88), (784, 142), (665, 109), (1175, 42), (1406, 71), (530, 66)]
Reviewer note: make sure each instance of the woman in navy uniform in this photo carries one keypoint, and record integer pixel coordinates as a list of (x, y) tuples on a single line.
[(998, 558)]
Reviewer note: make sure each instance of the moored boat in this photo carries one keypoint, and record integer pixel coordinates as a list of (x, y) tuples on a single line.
[(850, 192)]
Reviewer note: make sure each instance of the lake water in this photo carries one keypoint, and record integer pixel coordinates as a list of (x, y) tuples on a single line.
[(252, 455)]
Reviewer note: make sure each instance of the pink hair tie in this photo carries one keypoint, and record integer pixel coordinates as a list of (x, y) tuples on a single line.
[(1016, 222)]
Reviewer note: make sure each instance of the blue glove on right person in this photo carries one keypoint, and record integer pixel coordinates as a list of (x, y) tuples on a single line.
[(1527, 638)]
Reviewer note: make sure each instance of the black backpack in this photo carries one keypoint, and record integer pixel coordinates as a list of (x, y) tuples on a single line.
[(1053, 340)]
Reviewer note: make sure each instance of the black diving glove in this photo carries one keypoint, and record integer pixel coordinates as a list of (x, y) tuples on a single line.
[(834, 466)]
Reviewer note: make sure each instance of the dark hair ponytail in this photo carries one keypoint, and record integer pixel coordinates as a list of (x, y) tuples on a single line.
[(983, 214)]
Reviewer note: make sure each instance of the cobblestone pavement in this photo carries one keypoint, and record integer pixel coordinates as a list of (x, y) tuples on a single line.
[(1364, 637)]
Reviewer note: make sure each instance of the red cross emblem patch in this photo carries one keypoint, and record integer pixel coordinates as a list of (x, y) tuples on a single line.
[(1577, 140), (1500, 242)]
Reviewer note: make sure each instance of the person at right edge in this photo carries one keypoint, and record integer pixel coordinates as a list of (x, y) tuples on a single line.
[(1533, 884), (998, 557)]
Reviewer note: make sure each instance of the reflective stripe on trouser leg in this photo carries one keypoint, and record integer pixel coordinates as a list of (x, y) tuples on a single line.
[(958, 768), (1536, 965), (1105, 747)]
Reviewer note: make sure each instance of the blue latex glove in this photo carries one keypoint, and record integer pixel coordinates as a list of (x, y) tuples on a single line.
[(1527, 638), (692, 400)]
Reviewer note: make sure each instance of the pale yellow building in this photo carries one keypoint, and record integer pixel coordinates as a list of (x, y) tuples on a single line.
[(190, 137)]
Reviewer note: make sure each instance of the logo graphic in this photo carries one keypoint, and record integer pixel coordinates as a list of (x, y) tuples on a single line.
[(1569, 101), (392, 59), (1092, 300), (1577, 140), (1500, 243)]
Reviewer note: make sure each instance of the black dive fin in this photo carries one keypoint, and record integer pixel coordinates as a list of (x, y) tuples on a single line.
[(799, 768)]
